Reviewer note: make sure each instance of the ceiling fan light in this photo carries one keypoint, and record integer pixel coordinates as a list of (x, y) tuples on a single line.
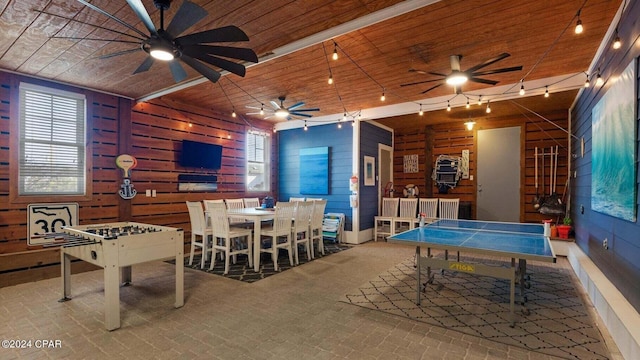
[(457, 78), (161, 53), (282, 113)]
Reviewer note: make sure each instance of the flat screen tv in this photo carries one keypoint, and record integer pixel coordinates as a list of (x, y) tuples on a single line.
[(201, 155)]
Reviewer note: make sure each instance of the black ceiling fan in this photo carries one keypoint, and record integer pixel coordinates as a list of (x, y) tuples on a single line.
[(458, 77), (192, 49), (280, 111)]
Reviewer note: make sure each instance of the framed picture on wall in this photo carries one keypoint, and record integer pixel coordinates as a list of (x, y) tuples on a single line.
[(369, 171)]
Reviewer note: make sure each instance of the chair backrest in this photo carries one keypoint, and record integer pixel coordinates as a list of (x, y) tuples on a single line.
[(318, 214), (292, 199), (209, 202), (428, 207), (234, 204), (389, 207), (313, 199), (304, 209), (196, 216), (408, 207), (251, 202), (283, 217), (448, 208), (219, 220)]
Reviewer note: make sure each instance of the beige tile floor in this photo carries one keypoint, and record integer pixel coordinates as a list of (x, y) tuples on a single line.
[(292, 315)]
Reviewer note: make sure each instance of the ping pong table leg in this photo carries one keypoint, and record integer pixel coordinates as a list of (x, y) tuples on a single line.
[(418, 285), (512, 292)]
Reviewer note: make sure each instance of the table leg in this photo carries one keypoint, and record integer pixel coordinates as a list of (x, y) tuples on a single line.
[(111, 285), (65, 262), (512, 293), (179, 272), (126, 275), (257, 224), (418, 274)]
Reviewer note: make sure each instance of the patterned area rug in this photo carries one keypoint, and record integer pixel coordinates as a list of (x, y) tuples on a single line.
[(558, 323), (242, 272)]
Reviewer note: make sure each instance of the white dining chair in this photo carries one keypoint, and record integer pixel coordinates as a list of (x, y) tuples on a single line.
[(300, 230), (199, 230), (448, 208), (251, 202), (228, 240), (316, 226), (206, 203), (279, 232), (383, 223), (313, 199), (407, 215), (292, 199), (428, 207), (236, 204)]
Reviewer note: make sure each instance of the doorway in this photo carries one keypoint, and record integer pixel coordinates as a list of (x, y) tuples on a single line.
[(385, 171), (498, 174)]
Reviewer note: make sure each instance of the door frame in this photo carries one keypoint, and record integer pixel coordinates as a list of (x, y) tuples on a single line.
[(383, 148)]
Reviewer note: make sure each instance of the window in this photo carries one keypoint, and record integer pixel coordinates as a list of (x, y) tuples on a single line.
[(257, 161), (52, 142)]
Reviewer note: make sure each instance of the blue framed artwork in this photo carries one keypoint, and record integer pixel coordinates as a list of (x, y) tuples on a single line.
[(613, 157), (314, 171)]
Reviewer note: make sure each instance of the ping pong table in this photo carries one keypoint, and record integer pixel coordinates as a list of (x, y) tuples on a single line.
[(517, 241)]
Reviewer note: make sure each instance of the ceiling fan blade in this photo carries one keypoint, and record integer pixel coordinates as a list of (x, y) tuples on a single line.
[(230, 66), (497, 71), (488, 62), (300, 114), (187, 15), (95, 39), (224, 34), (420, 82), (275, 105), (146, 65), (141, 12), (303, 110), (177, 71), (438, 74), (431, 88), (201, 68), (226, 51), (418, 71), (483, 81), (123, 52), (96, 26), (455, 62), (113, 18), (296, 105)]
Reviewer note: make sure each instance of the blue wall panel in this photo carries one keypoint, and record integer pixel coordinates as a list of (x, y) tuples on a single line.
[(340, 146), (370, 137)]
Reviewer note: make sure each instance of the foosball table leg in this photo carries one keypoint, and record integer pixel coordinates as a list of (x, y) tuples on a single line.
[(65, 269), (126, 275), (111, 286)]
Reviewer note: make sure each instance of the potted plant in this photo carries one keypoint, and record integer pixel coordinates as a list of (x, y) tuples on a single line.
[(565, 228)]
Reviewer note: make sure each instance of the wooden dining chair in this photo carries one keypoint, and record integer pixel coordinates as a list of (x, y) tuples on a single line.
[(407, 216), (230, 241), (200, 232), (279, 233), (383, 223), (300, 230), (316, 226)]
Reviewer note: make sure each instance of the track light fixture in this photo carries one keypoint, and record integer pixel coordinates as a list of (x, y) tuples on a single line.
[(480, 100), (579, 28), (546, 92), (330, 81), (521, 87), (305, 126), (339, 125), (382, 97), (448, 106), (261, 109), (587, 83), (335, 51), (599, 79), (420, 112), (344, 116), (617, 43), (488, 107), (233, 113), (468, 105)]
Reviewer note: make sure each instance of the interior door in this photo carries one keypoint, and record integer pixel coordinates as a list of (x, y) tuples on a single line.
[(498, 174)]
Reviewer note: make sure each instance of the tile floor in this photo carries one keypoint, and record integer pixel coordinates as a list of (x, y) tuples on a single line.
[(293, 315)]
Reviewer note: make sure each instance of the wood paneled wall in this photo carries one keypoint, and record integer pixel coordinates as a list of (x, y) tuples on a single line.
[(451, 139), (152, 132)]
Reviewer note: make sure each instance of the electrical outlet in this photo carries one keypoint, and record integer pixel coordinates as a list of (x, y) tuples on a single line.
[(605, 244), (148, 192)]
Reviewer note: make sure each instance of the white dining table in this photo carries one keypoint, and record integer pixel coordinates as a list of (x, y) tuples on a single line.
[(258, 216)]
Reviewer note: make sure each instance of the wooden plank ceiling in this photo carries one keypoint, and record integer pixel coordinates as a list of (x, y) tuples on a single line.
[(373, 59)]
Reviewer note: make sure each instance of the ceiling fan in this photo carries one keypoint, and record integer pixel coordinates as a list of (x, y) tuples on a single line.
[(280, 111), (458, 77), (165, 44)]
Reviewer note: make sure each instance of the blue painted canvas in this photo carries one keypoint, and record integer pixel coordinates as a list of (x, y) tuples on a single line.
[(314, 171), (613, 158)]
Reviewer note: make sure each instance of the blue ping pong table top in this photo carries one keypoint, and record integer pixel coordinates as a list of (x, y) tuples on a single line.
[(500, 238)]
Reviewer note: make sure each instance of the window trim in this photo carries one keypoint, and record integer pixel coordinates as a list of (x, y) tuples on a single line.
[(266, 162), (14, 144)]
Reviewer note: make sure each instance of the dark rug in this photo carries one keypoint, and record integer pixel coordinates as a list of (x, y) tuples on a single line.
[(558, 323), (242, 272)]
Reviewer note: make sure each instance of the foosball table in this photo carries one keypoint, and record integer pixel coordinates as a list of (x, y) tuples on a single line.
[(115, 247)]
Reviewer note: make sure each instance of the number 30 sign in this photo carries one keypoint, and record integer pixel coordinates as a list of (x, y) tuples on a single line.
[(46, 219)]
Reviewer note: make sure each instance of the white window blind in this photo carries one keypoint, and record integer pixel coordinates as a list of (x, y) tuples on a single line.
[(52, 142), (257, 161)]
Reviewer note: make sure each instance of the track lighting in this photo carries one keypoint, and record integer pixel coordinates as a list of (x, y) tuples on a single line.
[(339, 125), (420, 112), (521, 87), (330, 81), (261, 109), (488, 107), (344, 116), (383, 98), (468, 105), (599, 79), (233, 113), (587, 83), (579, 29), (305, 126), (353, 123), (480, 100), (546, 92), (616, 42), (335, 52)]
